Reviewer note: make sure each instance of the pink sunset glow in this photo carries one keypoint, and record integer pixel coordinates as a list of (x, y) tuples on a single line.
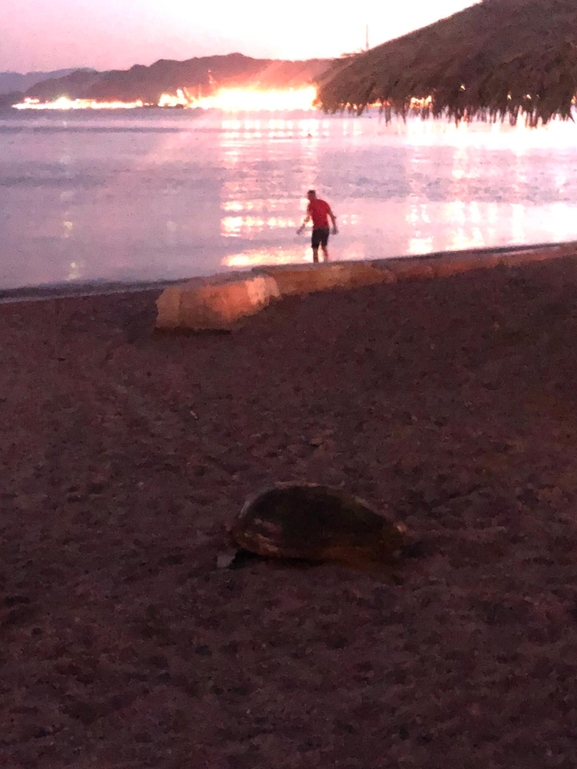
[(106, 34)]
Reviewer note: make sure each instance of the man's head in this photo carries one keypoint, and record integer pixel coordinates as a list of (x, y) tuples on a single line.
[(311, 194)]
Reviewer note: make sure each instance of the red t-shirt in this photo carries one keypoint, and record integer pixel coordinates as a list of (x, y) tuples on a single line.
[(318, 210)]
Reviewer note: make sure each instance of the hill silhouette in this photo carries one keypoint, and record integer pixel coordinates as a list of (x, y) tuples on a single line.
[(12, 82), (200, 76)]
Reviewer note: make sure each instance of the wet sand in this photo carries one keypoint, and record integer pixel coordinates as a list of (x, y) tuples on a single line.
[(449, 403)]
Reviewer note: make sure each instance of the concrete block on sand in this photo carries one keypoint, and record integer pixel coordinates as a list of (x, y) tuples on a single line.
[(306, 279), (537, 254), (218, 302), (455, 264), (213, 304)]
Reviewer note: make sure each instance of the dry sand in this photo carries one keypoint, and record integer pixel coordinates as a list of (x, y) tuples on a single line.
[(450, 404)]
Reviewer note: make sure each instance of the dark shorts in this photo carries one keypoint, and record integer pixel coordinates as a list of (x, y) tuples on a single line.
[(320, 237)]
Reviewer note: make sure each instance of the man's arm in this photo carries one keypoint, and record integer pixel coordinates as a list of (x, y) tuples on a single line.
[(333, 220), (306, 220)]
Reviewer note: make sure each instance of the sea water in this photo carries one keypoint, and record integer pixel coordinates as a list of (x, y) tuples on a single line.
[(149, 195)]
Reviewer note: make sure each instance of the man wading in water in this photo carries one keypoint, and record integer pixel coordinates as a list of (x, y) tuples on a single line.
[(319, 211)]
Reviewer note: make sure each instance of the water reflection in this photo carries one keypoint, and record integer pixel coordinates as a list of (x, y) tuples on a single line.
[(254, 202), (154, 196), (269, 256), (279, 256)]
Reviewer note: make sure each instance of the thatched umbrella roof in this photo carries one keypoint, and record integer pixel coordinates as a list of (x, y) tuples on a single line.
[(497, 59)]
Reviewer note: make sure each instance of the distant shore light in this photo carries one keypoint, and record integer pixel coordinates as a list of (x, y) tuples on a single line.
[(226, 99)]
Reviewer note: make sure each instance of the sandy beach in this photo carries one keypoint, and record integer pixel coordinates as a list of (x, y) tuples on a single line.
[(449, 404)]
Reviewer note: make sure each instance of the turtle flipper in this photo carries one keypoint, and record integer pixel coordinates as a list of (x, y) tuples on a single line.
[(226, 558)]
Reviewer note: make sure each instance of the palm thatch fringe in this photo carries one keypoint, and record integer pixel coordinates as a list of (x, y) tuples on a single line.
[(497, 60)]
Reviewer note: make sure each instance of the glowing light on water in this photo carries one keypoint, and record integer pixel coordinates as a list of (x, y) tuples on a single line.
[(260, 256)]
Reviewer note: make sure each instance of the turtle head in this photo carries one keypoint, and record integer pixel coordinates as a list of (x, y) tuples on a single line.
[(393, 539)]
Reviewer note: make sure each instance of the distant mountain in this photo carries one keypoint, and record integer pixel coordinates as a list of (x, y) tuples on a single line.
[(12, 82), (199, 75), (7, 99)]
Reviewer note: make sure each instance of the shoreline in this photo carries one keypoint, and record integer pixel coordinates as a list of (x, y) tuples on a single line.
[(221, 301), (79, 290), (102, 288)]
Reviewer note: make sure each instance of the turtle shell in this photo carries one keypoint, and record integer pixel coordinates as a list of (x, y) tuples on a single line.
[(315, 523)]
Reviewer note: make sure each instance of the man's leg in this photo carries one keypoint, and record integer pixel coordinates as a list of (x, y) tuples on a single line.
[(315, 243), (324, 245)]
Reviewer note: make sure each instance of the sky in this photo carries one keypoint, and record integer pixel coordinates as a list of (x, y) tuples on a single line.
[(42, 35)]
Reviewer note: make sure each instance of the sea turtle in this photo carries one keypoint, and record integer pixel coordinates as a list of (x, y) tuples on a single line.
[(315, 523)]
